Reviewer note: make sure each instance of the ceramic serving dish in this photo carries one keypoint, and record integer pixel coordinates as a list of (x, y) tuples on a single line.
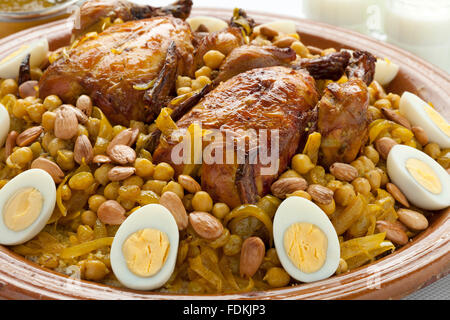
[(425, 259)]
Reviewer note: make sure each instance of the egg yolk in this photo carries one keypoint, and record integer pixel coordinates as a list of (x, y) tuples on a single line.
[(146, 251), (438, 120), (22, 209), (306, 246), (424, 175)]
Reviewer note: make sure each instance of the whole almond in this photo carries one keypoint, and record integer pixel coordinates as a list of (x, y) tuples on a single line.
[(420, 135), (10, 143), (81, 117), (396, 117), (173, 203), (397, 194), (189, 183), (50, 167), (205, 225), (268, 32), (111, 212), (29, 89), (29, 136), (284, 42), (285, 186), (84, 103), (83, 150), (66, 123), (101, 159), (120, 173), (384, 145), (126, 137), (412, 219), (344, 171), (252, 255), (393, 233), (122, 154), (320, 194)]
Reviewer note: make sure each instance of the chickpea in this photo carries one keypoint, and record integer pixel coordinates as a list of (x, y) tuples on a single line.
[(289, 174), (101, 174), (344, 195), (361, 185), (94, 270), (36, 148), (52, 102), (384, 177), (35, 111), (66, 193), (300, 49), (383, 103), (432, 149), (371, 153), (200, 82), (213, 59), (85, 233), (147, 197), (374, 113), (183, 90), (374, 178), (333, 185), (20, 158), (233, 245), (202, 201), (174, 187), (329, 209), (302, 163), (154, 185), (363, 164), (81, 181), (133, 180), (55, 145), (20, 108), (111, 190), (276, 277), (220, 210), (129, 192), (203, 71), (317, 175), (88, 218), (272, 257), (49, 260), (342, 267), (95, 201), (48, 120), (300, 193), (144, 167), (394, 99), (163, 171), (65, 159), (127, 204), (183, 82), (9, 86)]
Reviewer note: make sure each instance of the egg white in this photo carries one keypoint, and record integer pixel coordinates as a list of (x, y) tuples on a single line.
[(282, 26), (211, 23), (385, 71), (40, 180), (413, 108), (416, 194), (298, 210), (153, 216), (4, 124), (9, 67)]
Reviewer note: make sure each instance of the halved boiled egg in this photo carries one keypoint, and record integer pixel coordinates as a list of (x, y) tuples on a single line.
[(9, 66), (423, 181), (306, 241), (420, 113), (211, 23), (5, 121), (27, 202), (144, 250), (385, 71), (282, 26)]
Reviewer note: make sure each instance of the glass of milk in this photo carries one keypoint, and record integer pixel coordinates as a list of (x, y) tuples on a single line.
[(350, 14), (421, 27)]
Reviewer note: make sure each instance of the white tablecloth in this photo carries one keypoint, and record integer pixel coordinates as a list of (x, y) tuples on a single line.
[(293, 8)]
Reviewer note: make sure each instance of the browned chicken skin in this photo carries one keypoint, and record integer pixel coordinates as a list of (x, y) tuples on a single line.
[(110, 66), (267, 98)]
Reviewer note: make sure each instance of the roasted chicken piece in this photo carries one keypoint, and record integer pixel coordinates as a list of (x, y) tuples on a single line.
[(129, 70), (266, 98)]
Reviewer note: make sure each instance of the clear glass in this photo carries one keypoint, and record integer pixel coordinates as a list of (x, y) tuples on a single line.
[(421, 27)]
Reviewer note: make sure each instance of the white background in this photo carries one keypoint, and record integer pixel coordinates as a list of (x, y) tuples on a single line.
[(293, 8)]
